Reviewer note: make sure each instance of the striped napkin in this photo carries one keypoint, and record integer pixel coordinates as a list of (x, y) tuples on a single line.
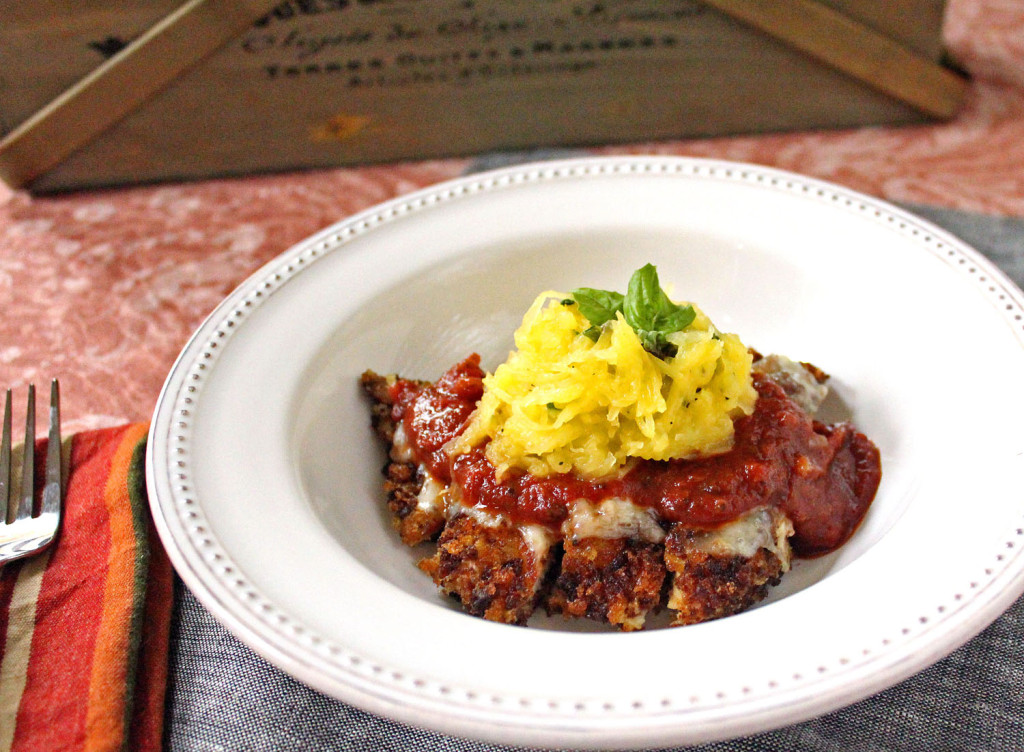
[(84, 626)]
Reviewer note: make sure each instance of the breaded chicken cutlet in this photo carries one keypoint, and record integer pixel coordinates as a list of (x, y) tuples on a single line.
[(609, 558)]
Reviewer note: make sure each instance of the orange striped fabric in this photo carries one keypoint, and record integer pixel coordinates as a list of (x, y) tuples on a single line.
[(84, 627)]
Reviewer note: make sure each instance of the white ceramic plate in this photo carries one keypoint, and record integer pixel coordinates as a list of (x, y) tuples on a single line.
[(264, 475)]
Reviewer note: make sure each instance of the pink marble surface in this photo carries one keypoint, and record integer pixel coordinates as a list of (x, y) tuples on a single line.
[(104, 288)]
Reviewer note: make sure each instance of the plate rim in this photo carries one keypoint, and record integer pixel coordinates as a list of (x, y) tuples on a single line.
[(477, 719)]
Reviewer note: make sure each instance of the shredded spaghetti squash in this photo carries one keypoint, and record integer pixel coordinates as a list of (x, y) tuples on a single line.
[(575, 397)]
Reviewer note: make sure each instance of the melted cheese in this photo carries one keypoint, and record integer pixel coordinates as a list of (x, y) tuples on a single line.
[(612, 518), (744, 537), (799, 383), (537, 538), (401, 447), (433, 495)]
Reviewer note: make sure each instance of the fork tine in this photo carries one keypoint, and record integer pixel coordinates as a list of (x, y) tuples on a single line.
[(28, 458), (5, 463), (52, 489), (22, 533)]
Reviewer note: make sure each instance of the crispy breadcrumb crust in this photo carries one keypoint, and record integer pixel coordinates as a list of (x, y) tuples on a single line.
[(403, 481), (491, 569), (708, 585), (613, 580)]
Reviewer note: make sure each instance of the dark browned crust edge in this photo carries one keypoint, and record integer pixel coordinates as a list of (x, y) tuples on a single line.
[(402, 480), (706, 586), (490, 569), (618, 581)]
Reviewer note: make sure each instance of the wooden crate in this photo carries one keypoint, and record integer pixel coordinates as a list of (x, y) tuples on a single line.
[(206, 90)]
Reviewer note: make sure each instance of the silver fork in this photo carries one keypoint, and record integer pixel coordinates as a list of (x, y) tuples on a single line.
[(25, 531)]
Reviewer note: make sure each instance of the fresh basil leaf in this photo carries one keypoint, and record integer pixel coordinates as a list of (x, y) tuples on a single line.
[(642, 302), (645, 307), (598, 306), (678, 319)]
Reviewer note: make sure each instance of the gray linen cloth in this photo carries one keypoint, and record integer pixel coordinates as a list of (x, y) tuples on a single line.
[(224, 697)]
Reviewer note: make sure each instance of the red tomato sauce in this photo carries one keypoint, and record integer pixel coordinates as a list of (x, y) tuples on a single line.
[(823, 477)]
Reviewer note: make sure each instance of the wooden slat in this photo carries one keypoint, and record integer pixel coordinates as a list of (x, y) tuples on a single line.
[(121, 84), (856, 49)]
